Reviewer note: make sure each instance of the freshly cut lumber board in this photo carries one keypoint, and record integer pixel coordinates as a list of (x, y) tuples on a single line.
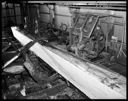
[(96, 82)]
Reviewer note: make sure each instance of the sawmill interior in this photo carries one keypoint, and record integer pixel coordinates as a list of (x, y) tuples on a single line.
[(63, 49)]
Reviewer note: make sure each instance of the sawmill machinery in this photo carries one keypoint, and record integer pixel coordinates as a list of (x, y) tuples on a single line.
[(85, 43), (68, 66), (45, 61)]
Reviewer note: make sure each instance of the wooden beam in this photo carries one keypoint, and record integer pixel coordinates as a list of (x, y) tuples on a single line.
[(94, 81)]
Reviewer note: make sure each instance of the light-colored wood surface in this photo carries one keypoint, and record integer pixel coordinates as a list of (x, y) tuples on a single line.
[(92, 80)]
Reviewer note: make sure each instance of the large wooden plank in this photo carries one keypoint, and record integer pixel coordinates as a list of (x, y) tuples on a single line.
[(92, 80)]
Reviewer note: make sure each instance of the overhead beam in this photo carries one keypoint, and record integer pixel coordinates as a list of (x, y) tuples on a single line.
[(80, 2)]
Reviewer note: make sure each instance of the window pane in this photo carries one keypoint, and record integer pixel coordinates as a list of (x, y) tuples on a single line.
[(18, 19), (4, 22), (17, 5), (13, 19), (3, 12), (10, 5), (11, 12), (17, 9), (3, 5)]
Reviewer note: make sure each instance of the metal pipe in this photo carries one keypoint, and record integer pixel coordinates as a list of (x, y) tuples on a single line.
[(71, 31), (10, 61), (101, 8), (94, 26), (111, 16), (115, 23), (81, 34), (100, 15)]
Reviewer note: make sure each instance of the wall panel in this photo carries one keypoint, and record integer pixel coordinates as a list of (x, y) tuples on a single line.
[(10, 5), (44, 8), (11, 12), (63, 10), (45, 17), (3, 12), (17, 10), (18, 19), (13, 19), (64, 20)]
